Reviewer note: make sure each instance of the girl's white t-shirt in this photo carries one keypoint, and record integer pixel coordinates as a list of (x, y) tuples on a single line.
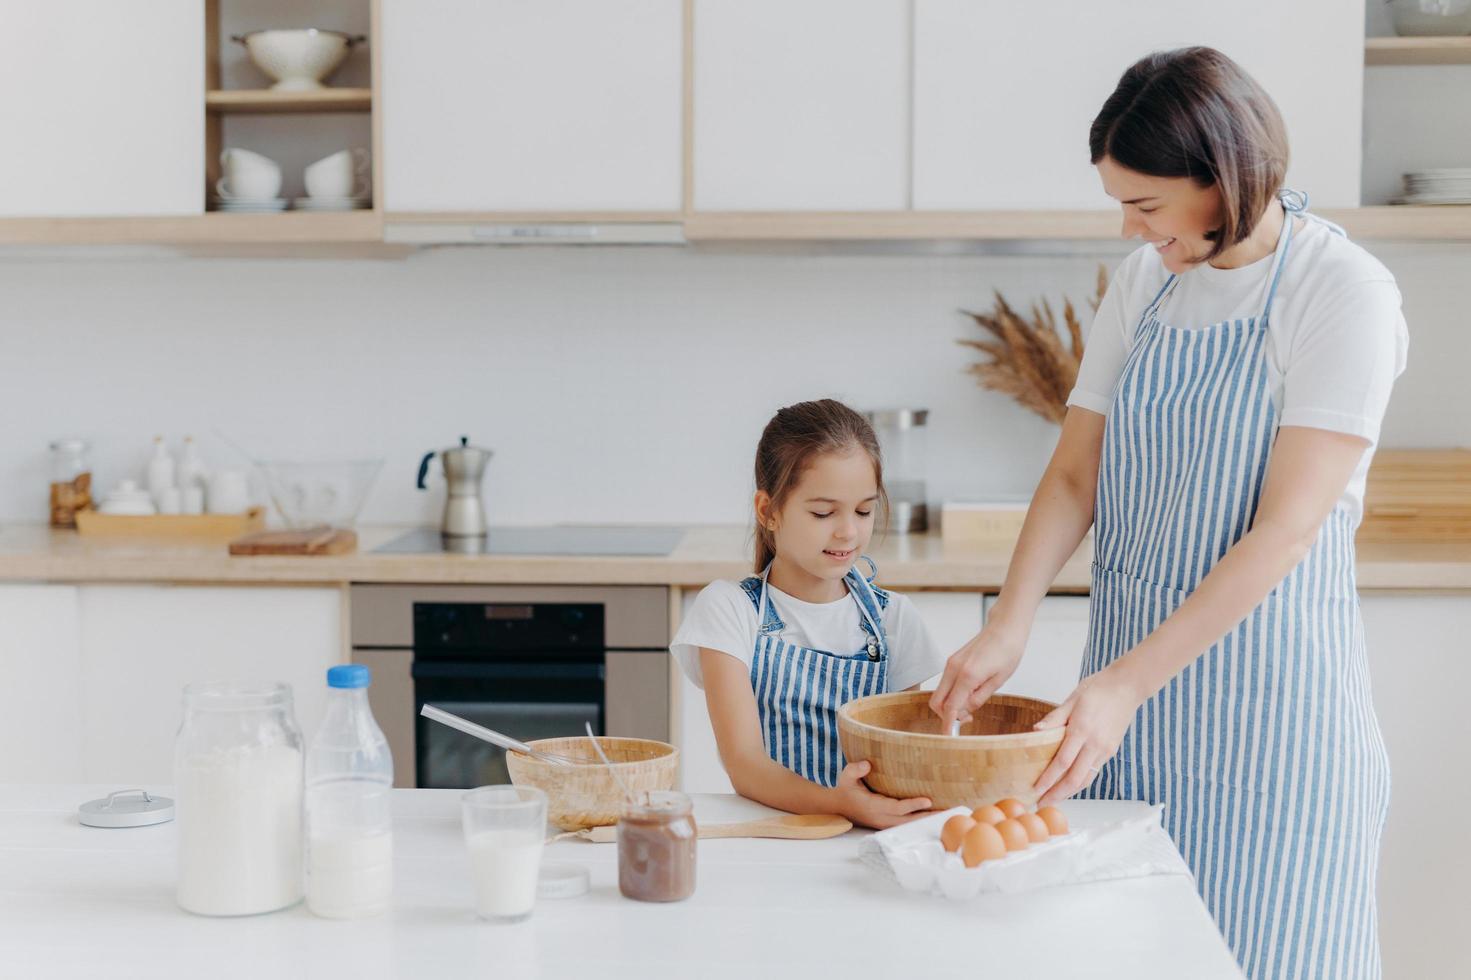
[(1337, 336), (723, 618)]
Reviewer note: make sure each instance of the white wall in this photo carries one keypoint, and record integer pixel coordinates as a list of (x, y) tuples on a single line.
[(613, 384)]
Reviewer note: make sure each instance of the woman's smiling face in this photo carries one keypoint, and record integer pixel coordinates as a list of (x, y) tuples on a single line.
[(1173, 214)]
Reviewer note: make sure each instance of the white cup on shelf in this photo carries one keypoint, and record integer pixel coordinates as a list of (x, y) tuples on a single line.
[(247, 176), (249, 187), (341, 175), (228, 493), (191, 499)]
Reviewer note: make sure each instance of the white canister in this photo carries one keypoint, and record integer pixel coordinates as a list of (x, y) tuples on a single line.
[(238, 773), (229, 493)]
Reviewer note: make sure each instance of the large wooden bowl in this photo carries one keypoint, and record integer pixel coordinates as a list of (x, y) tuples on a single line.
[(583, 796), (996, 754)]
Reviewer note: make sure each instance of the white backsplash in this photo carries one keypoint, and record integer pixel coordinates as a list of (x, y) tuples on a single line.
[(613, 384)]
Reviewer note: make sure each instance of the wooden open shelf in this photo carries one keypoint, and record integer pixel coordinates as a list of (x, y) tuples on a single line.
[(261, 101), (1445, 223), (1417, 51), (1449, 223), (212, 228)]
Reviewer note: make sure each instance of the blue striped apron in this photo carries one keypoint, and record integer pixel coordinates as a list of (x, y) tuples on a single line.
[(1265, 749), (799, 690)]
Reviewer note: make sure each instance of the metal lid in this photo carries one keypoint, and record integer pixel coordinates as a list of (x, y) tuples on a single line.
[(126, 808), (898, 418), (562, 881)]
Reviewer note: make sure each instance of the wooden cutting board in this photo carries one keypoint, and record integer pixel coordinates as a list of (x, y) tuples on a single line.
[(321, 540), (1418, 495)]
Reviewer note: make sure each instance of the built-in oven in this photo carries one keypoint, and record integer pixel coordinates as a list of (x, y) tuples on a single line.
[(530, 662)]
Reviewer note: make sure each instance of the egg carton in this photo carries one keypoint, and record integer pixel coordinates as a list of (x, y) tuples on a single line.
[(1131, 847)]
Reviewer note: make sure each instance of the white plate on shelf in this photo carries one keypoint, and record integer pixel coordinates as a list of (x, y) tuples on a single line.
[(257, 207), (329, 203)]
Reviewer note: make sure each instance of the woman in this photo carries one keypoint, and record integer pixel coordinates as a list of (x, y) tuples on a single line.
[(1217, 441)]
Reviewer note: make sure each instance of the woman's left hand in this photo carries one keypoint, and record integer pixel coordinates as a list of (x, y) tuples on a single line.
[(1097, 714)]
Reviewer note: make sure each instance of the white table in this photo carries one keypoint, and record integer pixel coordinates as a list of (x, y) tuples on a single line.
[(81, 902)]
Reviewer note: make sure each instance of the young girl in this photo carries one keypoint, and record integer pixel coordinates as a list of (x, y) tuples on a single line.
[(778, 653)]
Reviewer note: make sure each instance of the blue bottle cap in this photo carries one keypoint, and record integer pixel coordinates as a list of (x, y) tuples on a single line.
[(349, 676)]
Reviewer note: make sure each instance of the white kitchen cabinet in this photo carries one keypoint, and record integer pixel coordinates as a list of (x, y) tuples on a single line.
[(1054, 654), (102, 106), (801, 106), (141, 644), (508, 105), (1420, 661), (40, 719), (1004, 93)]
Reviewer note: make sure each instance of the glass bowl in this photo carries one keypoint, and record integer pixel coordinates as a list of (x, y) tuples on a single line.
[(309, 494)]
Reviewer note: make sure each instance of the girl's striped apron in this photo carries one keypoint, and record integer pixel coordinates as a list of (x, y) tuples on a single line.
[(1265, 750), (799, 690)]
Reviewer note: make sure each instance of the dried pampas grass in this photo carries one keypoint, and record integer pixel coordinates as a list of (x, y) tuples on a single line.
[(1028, 359)]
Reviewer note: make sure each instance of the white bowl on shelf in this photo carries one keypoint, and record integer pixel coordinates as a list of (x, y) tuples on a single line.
[(298, 59)]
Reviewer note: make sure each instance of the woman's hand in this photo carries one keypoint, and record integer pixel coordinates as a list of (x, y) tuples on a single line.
[(1097, 714), (863, 806), (975, 671)]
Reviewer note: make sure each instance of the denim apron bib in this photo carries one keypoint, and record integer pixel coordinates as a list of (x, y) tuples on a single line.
[(1265, 750), (799, 690)]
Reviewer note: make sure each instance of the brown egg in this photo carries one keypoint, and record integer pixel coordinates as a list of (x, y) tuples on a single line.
[(1010, 807), (982, 843), (955, 830), (1055, 821), (1035, 827), (988, 814), (1014, 834)]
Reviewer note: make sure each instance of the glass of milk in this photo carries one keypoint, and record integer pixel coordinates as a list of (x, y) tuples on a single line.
[(505, 828)]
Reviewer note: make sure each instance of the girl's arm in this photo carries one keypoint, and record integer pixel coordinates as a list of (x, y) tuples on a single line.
[(1307, 474), (757, 776), (1059, 516)]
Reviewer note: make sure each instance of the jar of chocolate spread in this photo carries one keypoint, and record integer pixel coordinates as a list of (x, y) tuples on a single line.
[(656, 848)]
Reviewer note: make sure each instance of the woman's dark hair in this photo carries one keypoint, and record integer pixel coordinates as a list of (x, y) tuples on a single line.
[(795, 436), (1195, 113)]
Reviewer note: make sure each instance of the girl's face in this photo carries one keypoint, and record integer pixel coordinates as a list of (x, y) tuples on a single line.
[(827, 519), (1171, 213)]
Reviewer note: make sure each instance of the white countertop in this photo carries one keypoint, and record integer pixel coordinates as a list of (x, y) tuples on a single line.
[(81, 902)]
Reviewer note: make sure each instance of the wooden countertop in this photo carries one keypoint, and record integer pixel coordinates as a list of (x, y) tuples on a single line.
[(38, 554)]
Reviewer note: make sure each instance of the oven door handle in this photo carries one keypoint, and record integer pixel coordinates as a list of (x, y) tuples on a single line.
[(502, 671)]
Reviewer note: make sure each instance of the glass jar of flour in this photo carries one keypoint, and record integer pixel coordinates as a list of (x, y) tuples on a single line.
[(238, 772)]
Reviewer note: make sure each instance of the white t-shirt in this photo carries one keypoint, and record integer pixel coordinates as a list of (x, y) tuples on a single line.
[(723, 618), (1337, 337)]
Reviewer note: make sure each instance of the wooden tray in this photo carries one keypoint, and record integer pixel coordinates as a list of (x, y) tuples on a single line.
[(170, 527)]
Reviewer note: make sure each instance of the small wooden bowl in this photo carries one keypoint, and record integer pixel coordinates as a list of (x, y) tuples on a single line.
[(583, 796), (996, 754)]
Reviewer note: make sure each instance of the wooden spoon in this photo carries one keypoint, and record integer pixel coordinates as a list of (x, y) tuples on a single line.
[(788, 826)]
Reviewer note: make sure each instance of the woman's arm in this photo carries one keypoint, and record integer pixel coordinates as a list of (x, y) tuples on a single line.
[(1059, 517), (757, 776), (1307, 474)]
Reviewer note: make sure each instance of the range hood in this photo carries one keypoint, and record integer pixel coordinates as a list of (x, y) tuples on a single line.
[(409, 232)]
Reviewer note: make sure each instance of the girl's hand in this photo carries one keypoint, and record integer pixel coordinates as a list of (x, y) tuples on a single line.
[(1097, 714), (863, 806), (974, 672)]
